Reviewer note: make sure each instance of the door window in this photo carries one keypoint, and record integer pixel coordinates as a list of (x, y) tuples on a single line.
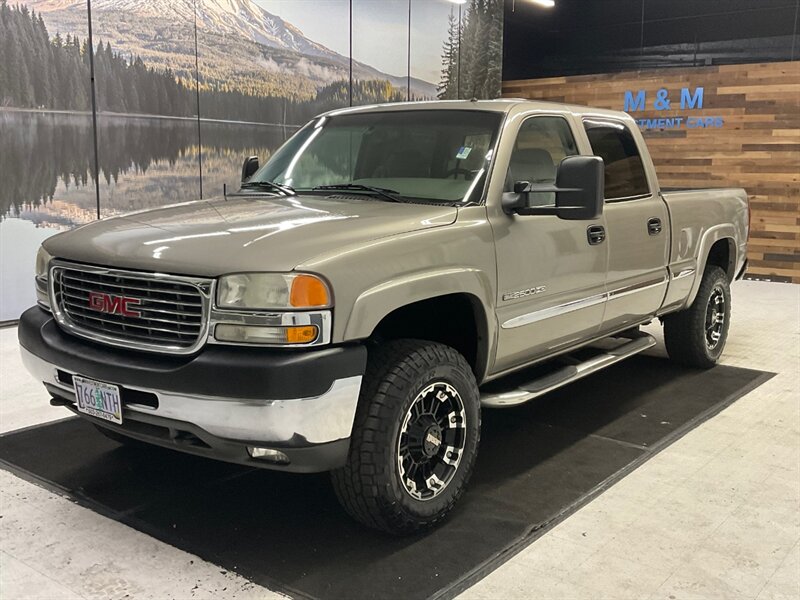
[(625, 174), (542, 143)]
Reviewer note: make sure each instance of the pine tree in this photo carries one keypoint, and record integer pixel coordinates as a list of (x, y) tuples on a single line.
[(130, 91), (480, 58), (447, 88), (494, 44), (5, 74)]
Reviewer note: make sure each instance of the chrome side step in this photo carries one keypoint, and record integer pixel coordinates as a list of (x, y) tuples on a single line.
[(538, 387)]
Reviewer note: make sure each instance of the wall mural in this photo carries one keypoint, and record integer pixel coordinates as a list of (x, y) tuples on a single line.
[(186, 88)]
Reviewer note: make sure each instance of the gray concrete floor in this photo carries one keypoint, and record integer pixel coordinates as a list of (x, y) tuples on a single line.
[(715, 515)]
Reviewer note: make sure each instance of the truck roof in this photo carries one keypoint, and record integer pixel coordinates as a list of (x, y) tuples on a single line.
[(502, 105)]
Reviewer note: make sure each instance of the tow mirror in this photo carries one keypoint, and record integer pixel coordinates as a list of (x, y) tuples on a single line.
[(579, 185), (249, 167)]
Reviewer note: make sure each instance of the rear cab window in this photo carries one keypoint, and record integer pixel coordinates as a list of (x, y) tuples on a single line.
[(626, 178)]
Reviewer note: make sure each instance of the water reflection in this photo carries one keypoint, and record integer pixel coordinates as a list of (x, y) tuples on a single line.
[(46, 182)]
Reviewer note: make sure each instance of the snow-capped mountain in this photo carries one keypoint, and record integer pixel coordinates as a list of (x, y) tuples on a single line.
[(240, 17), (161, 32), (262, 27)]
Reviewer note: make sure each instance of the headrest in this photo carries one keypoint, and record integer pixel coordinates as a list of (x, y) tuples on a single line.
[(532, 164)]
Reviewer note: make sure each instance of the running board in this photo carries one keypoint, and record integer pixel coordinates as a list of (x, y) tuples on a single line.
[(538, 387)]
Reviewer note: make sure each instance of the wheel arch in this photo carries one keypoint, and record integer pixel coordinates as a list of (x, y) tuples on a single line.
[(718, 248), (447, 307)]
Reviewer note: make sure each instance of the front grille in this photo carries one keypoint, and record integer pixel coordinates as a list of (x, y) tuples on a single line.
[(137, 310)]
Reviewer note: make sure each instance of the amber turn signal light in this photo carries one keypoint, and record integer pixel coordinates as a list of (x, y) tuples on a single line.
[(309, 292), (301, 335)]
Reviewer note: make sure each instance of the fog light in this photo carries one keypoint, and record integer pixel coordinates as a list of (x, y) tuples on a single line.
[(256, 334), (268, 454)]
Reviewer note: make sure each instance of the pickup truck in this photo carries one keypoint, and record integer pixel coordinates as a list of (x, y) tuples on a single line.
[(369, 289)]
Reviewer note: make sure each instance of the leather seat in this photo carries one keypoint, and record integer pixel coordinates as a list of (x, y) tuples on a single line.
[(533, 165)]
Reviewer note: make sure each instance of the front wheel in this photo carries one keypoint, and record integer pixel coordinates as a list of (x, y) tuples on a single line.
[(415, 437), (696, 336)]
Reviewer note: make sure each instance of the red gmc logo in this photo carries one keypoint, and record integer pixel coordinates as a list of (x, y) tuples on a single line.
[(115, 305)]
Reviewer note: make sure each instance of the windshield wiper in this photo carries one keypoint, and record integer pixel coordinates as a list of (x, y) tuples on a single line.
[(270, 185), (387, 194)]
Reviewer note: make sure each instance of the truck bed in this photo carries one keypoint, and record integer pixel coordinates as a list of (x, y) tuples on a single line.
[(698, 218)]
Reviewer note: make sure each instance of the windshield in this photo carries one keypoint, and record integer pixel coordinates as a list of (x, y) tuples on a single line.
[(422, 155)]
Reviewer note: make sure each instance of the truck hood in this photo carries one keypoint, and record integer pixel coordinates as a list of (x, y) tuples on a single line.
[(241, 233)]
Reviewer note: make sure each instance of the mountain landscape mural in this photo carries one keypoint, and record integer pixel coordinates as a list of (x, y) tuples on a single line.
[(185, 89), (241, 46)]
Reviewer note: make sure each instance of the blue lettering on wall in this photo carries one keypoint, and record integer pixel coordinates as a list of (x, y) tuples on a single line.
[(662, 100), (633, 104), (691, 99)]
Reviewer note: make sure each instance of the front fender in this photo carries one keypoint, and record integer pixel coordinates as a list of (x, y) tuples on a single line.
[(375, 303)]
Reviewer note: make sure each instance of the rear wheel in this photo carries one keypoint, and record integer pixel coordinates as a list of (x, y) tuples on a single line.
[(696, 336), (415, 437)]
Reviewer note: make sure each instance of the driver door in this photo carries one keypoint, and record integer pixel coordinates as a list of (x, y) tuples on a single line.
[(550, 272)]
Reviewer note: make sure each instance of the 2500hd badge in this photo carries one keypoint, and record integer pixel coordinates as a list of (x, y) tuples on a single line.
[(523, 293)]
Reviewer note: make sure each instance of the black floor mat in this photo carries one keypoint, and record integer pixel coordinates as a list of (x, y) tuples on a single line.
[(537, 463)]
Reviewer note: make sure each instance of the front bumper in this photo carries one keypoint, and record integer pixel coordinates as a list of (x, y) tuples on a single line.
[(215, 403)]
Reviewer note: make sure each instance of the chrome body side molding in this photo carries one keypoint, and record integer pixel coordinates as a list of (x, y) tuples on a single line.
[(636, 288), (682, 274), (562, 309), (554, 311)]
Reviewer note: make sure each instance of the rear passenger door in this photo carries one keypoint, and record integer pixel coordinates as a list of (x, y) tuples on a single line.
[(637, 225)]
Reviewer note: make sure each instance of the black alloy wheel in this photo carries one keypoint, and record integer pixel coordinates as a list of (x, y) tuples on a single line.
[(415, 437), (696, 336), (715, 317), (431, 441)]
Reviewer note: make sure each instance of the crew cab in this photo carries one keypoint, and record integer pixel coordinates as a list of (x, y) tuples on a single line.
[(368, 290)]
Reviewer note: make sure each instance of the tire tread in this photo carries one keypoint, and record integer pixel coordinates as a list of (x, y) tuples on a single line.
[(684, 330), (358, 485)]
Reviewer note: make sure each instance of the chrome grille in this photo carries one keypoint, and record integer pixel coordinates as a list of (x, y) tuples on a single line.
[(142, 311)]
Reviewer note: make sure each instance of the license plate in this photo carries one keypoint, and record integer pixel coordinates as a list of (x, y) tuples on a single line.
[(98, 399)]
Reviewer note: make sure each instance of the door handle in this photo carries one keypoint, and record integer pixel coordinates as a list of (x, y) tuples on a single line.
[(654, 226), (596, 234)]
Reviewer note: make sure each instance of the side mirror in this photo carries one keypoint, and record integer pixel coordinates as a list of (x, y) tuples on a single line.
[(579, 187), (249, 167)]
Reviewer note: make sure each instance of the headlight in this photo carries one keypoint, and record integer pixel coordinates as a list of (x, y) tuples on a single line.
[(42, 263), (273, 291), (43, 259)]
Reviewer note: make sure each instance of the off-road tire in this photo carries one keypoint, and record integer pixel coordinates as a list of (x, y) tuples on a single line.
[(685, 331), (369, 485)]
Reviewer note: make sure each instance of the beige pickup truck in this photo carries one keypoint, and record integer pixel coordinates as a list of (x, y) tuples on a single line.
[(364, 294)]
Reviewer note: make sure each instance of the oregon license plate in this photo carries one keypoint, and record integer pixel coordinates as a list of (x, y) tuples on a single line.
[(98, 399)]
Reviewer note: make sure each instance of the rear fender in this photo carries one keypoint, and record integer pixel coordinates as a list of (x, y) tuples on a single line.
[(711, 237)]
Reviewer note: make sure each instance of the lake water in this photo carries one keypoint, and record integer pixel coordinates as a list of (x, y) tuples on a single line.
[(47, 184)]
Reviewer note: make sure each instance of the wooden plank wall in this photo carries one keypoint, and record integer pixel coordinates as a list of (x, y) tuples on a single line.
[(758, 148)]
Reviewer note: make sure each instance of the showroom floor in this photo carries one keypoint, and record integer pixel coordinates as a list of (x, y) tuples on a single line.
[(715, 515)]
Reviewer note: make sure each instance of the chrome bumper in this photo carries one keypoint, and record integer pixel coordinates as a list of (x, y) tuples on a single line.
[(307, 421)]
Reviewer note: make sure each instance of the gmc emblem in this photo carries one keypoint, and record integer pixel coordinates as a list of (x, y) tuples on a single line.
[(115, 305)]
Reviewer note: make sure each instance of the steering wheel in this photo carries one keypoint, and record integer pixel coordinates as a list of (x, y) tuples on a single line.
[(467, 173)]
